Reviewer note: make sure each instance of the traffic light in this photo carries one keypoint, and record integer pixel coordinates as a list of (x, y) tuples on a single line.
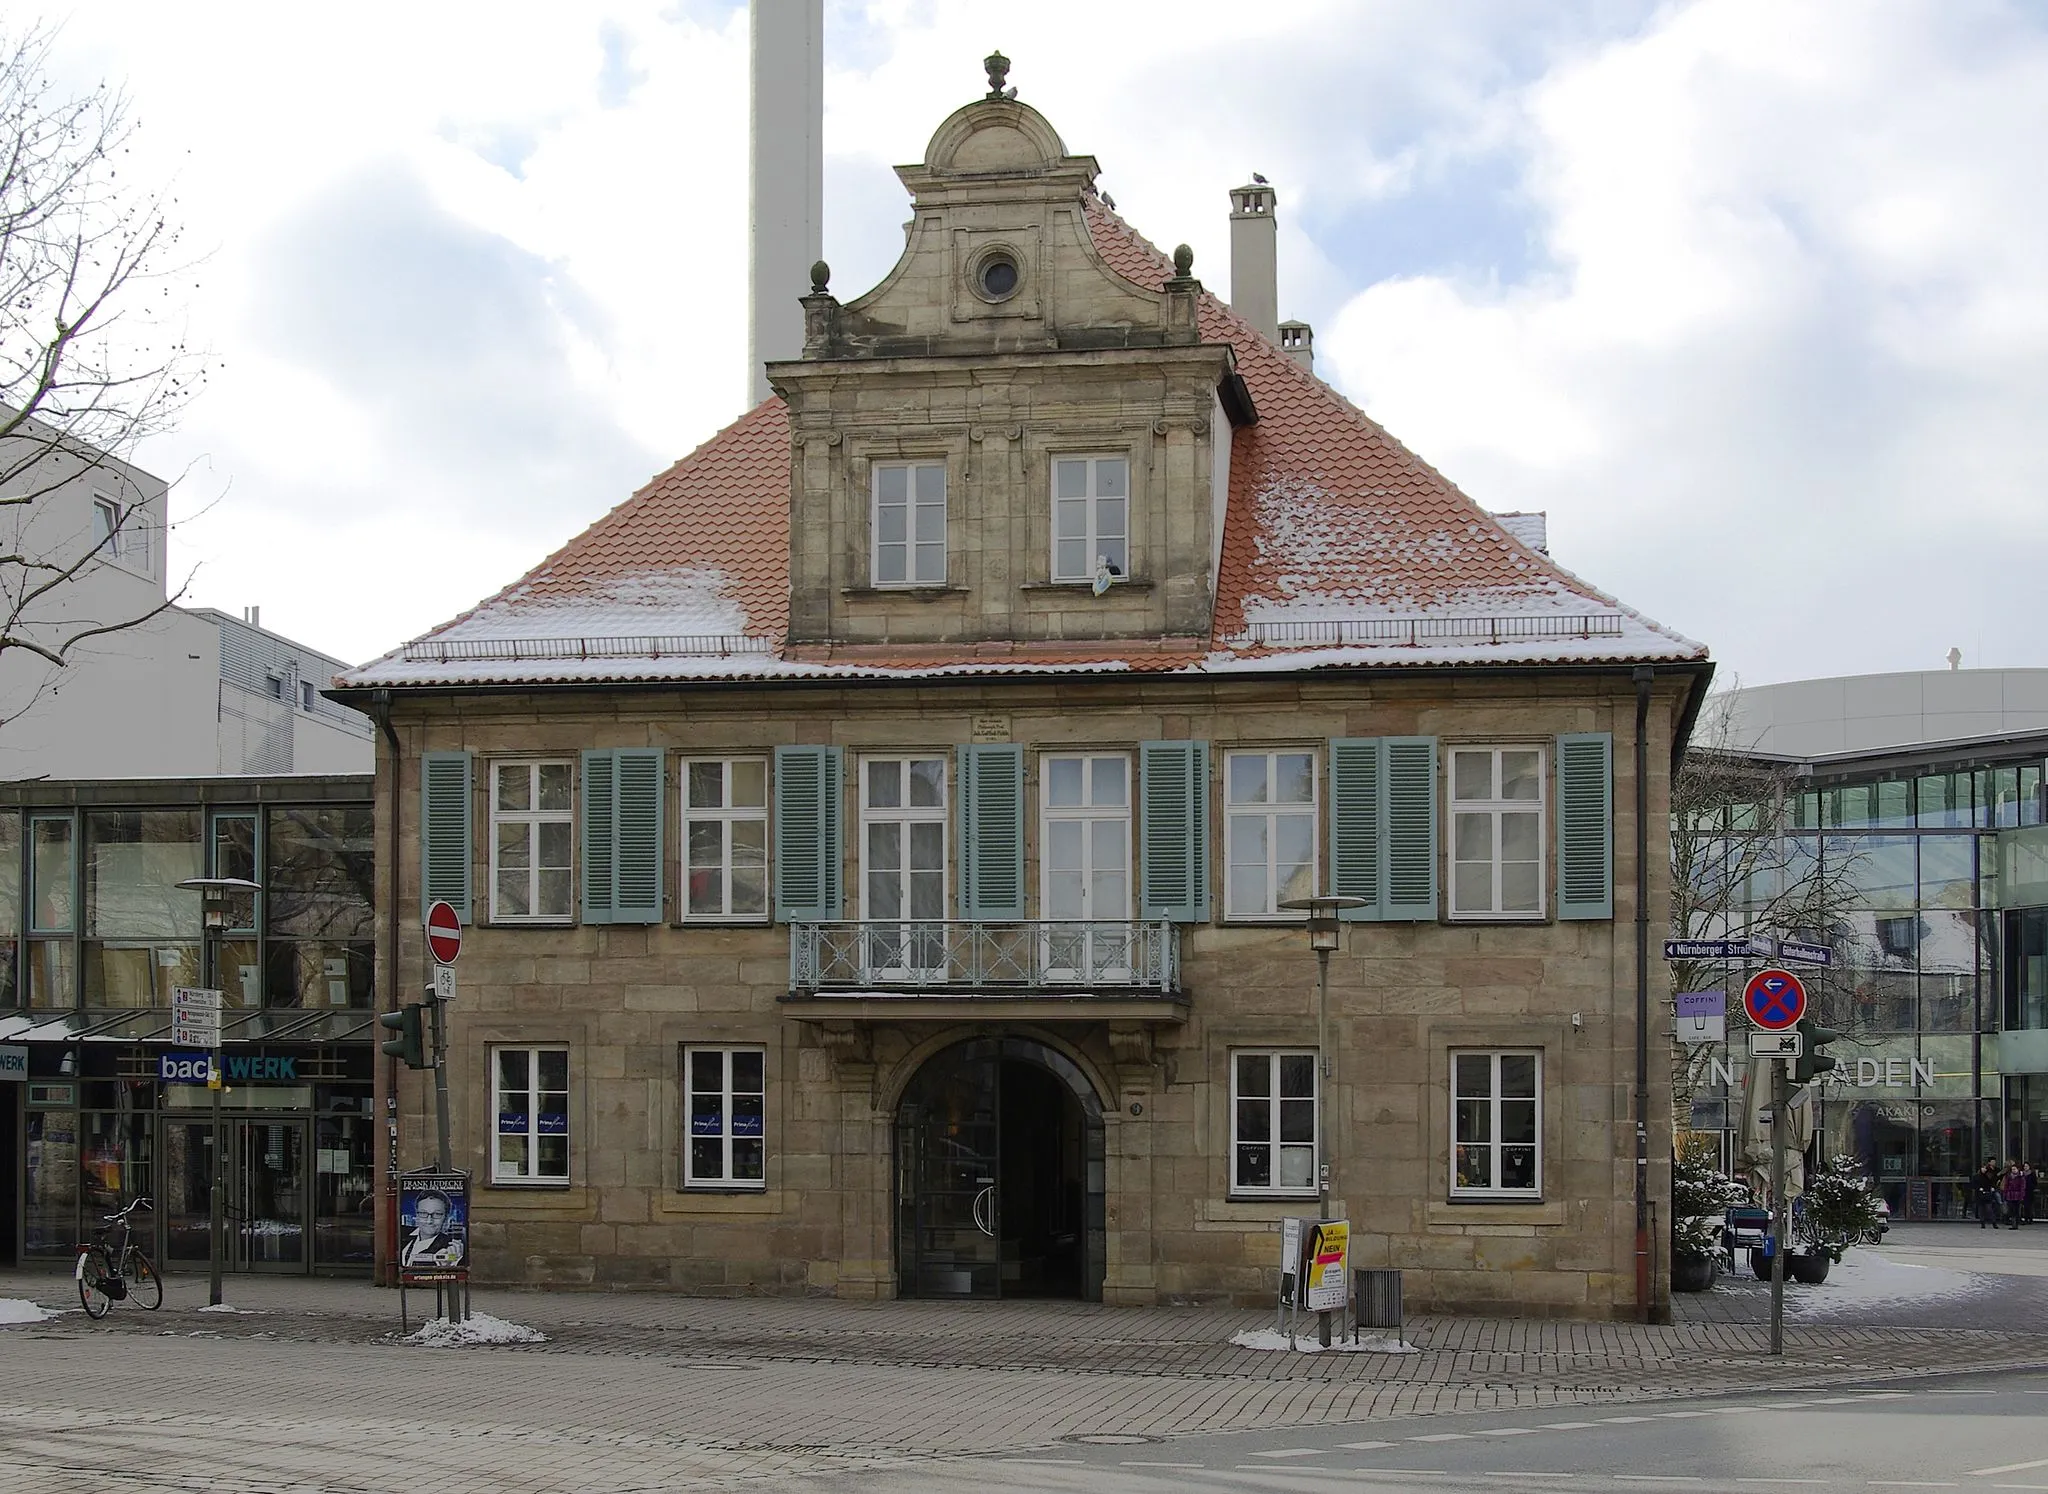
[(1812, 1063), (409, 1045)]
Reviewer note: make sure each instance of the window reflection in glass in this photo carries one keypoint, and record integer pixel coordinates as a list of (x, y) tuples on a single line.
[(51, 867), (1948, 871), (52, 974), (320, 973), (320, 881), (234, 855), (1875, 871)]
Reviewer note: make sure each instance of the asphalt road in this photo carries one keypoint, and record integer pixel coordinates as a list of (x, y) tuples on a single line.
[(1977, 1432)]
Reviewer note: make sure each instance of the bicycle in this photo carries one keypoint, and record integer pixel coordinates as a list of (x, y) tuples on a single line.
[(108, 1273)]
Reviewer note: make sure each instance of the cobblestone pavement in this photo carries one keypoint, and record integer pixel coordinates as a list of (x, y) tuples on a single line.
[(308, 1389)]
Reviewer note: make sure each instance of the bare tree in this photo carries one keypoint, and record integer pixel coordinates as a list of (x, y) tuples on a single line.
[(91, 362), (1741, 866)]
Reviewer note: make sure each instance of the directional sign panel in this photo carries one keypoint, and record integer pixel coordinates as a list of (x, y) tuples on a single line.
[(195, 1017), (1774, 999)]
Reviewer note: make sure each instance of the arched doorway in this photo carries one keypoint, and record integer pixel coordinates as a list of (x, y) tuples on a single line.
[(999, 1175)]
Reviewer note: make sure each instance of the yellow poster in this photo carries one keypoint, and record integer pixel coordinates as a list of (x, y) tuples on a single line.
[(1326, 1274)]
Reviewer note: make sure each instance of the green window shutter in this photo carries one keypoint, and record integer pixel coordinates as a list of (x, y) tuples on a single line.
[(447, 836), (807, 817), (1408, 833), (1357, 832), (636, 839), (992, 832), (600, 807), (1173, 831), (1585, 825)]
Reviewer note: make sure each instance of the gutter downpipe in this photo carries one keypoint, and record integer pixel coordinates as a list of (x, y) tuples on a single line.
[(1644, 676), (380, 712)]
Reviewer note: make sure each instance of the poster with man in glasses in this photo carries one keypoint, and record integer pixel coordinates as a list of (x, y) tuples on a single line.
[(433, 1225)]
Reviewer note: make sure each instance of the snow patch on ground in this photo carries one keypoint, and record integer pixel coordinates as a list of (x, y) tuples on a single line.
[(477, 1328), (1864, 1280), (1270, 1338), (15, 1310), (240, 1311)]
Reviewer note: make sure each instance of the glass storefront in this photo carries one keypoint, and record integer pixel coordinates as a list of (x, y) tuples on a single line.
[(95, 935), (298, 1180), (1931, 975)]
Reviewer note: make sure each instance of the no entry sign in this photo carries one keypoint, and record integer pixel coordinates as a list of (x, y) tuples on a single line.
[(1774, 999), (444, 934)]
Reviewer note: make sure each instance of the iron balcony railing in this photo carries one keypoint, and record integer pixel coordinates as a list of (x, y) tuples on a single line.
[(1031, 955)]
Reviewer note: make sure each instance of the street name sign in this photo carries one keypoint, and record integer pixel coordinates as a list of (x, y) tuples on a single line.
[(444, 933), (1774, 999), (1716, 949), (195, 1018), (1776, 1044), (1805, 954)]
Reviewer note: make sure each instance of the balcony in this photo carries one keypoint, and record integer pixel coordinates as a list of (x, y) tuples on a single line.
[(1103, 971)]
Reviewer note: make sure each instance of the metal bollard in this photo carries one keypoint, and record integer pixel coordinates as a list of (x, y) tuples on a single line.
[(1376, 1302)]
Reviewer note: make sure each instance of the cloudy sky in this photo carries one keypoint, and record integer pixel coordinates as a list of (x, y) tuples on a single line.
[(1750, 295)]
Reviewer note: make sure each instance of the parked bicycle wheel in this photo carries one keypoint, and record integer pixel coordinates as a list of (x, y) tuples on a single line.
[(145, 1287), (93, 1270)]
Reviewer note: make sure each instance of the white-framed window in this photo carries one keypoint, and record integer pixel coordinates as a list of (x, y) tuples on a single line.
[(1273, 1122), (725, 1111), (1091, 517), (1496, 832), (306, 694), (725, 837), (1084, 862), (532, 832), (909, 524), (121, 534), (1269, 831), (903, 861), (530, 1143), (1497, 1124)]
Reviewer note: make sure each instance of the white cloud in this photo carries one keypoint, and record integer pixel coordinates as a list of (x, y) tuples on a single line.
[(1751, 296), (1781, 384)]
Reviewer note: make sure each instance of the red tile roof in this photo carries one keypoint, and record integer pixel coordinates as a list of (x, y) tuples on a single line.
[(1340, 546)]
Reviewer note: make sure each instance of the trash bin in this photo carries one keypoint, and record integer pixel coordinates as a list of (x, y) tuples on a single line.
[(1376, 1302)]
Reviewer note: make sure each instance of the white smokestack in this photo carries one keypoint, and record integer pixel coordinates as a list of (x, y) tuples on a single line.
[(1254, 258), (786, 177)]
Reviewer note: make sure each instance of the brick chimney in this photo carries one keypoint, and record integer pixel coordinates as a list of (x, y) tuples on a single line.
[(1254, 258)]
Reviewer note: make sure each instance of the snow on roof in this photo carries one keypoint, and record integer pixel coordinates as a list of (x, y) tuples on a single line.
[(1341, 549)]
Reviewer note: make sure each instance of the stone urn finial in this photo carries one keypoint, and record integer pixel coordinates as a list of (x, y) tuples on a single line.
[(1183, 261), (998, 69), (821, 278)]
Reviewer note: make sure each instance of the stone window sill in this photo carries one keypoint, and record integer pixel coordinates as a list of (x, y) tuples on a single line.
[(915, 593), (1487, 1211), (1121, 583)]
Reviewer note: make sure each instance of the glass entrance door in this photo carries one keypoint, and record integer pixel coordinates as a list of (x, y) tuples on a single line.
[(946, 1179), (266, 1193)]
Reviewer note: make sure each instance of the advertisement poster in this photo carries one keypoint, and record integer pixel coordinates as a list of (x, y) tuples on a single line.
[(1325, 1275), (433, 1225)]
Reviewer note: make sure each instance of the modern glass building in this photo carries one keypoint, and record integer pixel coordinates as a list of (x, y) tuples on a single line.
[(1920, 800), (95, 935)]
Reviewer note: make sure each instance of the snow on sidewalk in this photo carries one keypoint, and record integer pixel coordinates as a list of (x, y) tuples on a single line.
[(1272, 1338), (477, 1328), (15, 1310), (1864, 1280)]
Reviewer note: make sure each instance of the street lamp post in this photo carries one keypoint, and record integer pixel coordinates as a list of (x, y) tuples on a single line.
[(214, 893), (1325, 933)]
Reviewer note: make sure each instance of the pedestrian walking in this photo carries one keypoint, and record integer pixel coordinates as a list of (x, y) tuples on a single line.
[(2014, 1189), (2033, 1178)]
